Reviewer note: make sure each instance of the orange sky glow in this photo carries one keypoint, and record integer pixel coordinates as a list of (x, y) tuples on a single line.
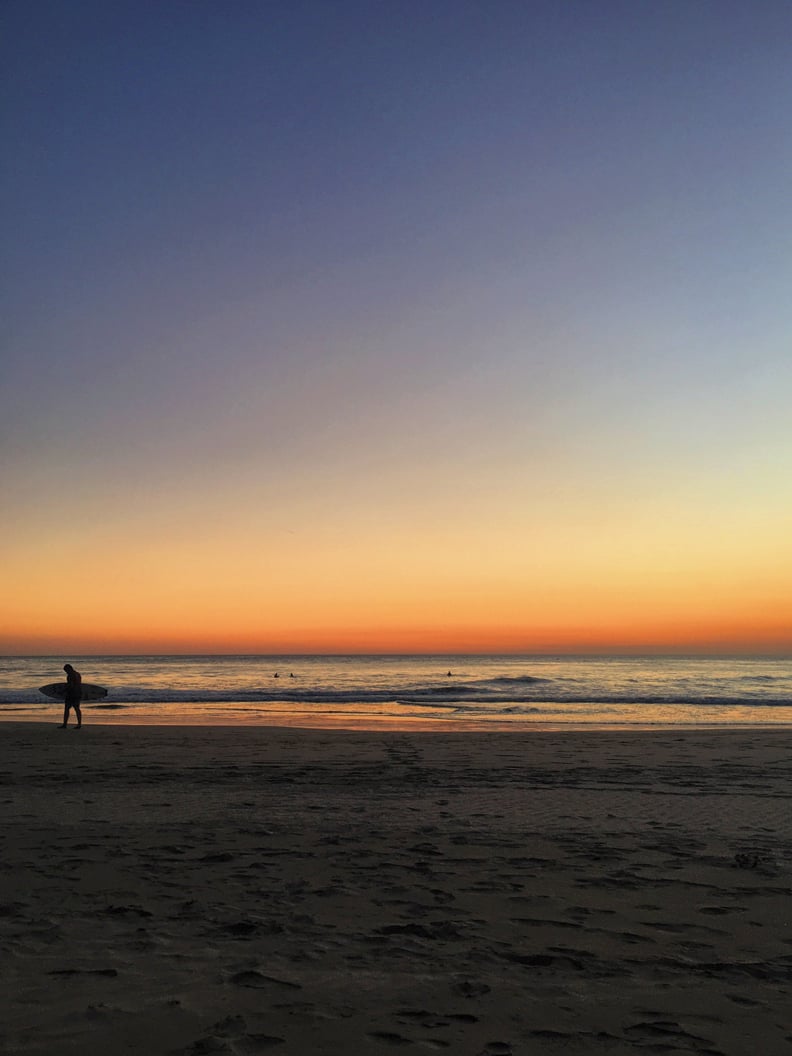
[(543, 576), (492, 356)]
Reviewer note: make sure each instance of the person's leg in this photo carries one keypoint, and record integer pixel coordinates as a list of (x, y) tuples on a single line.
[(65, 722), (78, 713)]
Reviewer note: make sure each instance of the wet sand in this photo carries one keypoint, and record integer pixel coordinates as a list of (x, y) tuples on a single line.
[(254, 890)]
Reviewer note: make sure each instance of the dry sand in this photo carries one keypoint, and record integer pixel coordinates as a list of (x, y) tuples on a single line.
[(251, 890)]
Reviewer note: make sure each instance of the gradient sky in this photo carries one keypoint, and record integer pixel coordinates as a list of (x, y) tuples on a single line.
[(397, 326)]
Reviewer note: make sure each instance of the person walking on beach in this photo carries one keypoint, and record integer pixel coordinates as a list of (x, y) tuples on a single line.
[(73, 695)]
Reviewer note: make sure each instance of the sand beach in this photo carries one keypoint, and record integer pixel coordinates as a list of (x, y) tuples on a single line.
[(252, 890)]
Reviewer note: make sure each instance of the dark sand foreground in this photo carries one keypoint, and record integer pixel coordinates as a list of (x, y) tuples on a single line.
[(219, 890)]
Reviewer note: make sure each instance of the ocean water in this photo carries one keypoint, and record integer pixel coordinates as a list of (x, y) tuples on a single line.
[(445, 692)]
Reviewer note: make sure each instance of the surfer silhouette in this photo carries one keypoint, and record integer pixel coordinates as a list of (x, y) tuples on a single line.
[(73, 695)]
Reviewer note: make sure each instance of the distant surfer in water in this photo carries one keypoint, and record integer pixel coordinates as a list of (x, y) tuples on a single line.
[(73, 695)]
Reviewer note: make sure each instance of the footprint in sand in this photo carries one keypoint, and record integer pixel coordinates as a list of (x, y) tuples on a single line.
[(663, 1031), (257, 980), (231, 1035), (471, 988)]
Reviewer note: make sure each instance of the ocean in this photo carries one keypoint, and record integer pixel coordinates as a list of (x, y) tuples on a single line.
[(440, 692)]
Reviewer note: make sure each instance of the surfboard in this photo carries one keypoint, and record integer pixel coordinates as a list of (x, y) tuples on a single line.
[(57, 690)]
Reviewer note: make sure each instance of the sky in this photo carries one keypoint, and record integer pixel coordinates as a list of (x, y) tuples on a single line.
[(396, 326)]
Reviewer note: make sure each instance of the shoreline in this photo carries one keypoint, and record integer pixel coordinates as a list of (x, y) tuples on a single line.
[(407, 725), (143, 716), (423, 727)]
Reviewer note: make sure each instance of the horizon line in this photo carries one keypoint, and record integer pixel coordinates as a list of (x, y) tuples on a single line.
[(768, 653)]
